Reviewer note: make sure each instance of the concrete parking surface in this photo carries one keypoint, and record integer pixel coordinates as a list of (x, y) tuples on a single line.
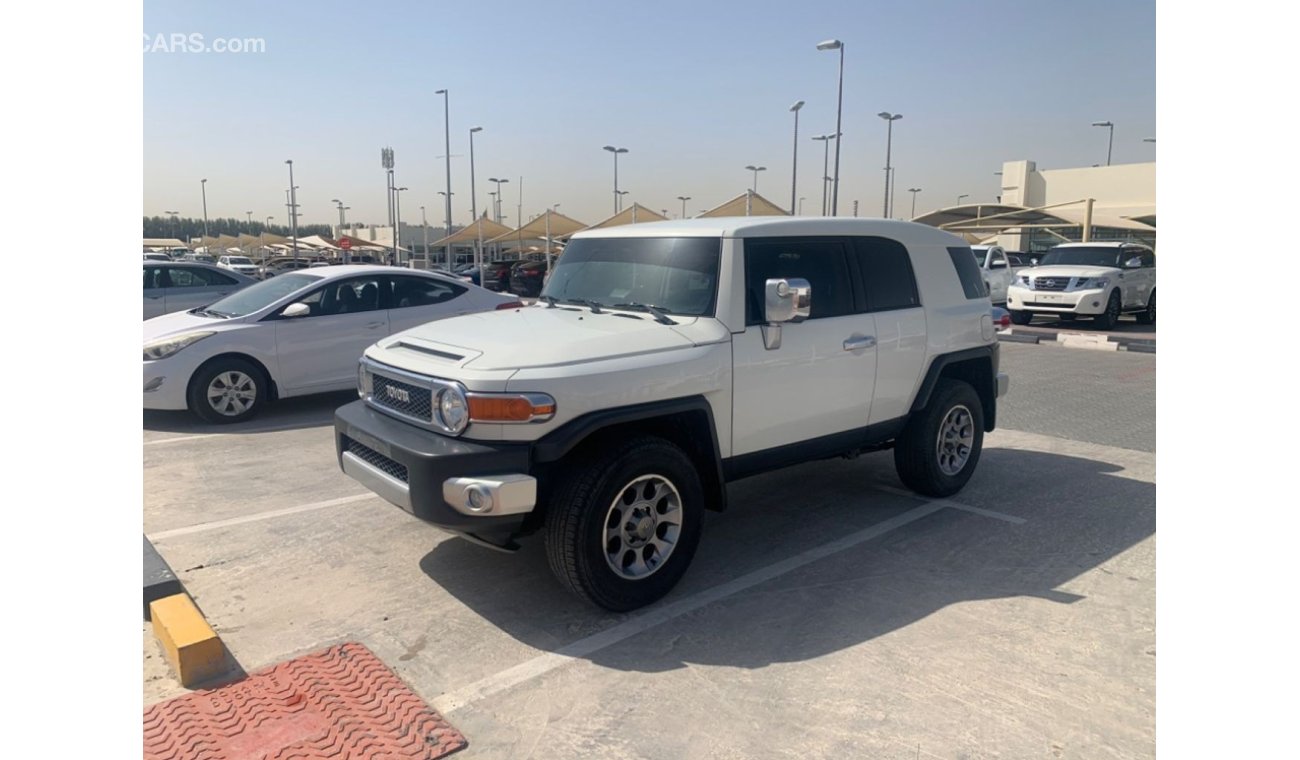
[(828, 613)]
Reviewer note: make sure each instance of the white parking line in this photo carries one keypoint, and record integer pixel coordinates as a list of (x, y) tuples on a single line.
[(545, 663), (274, 429), (201, 527), (1003, 516)]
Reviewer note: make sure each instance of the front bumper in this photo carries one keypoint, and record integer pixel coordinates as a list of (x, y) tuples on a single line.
[(1091, 301), (166, 382), (424, 473)]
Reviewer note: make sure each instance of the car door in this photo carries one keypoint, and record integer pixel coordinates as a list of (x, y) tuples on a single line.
[(155, 294), (319, 351), (414, 300), (821, 378), (882, 269), (192, 287), (1135, 278)]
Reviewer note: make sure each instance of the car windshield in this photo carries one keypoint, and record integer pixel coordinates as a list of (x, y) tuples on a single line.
[(257, 297), (1094, 256), (239, 260), (677, 275)]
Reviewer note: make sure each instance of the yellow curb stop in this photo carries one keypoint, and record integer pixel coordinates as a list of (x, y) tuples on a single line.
[(193, 649)]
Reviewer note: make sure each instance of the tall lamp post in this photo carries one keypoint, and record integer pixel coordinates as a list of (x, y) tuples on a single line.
[(616, 151), (342, 223), (826, 156), (889, 144), (397, 226), (424, 225), (173, 215), (839, 113), (756, 170), (499, 196), (446, 254), (293, 210), (963, 195), (1109, 143), (913, 191), (446, 131), (473, 210), (203, 185), (249, 214), (683, 199), (794, 162)]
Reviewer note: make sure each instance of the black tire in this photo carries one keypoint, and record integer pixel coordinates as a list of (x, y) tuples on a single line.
[(583, 500), (917, 451), (1148, 317), (1108, 319), (1021, 317), (203, 379)]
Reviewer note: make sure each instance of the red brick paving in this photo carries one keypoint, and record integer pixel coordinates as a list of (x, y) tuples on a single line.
[(342, 702)]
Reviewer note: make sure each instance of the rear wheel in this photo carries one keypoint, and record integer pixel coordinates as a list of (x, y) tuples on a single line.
[(1021, 317), (940, 447), (623, 525), (1148, 317), (227, 390), (1107, 319)]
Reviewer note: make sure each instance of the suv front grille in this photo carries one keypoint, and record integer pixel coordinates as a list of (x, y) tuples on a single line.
[(375, 459), (1051, 283), (411, 400)]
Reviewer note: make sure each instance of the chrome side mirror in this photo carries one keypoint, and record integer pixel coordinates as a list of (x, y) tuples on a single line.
[(785, 300), (1133, 263), (296, 310)]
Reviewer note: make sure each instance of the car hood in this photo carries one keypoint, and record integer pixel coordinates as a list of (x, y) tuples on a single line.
[(181, 322), (1070, 270), (535, 337)]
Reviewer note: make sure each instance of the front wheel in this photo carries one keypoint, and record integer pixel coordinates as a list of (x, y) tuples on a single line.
[(1148, 317), (623, 525), (1108, 319), (940, 446), (1021, 317), (227, 390)]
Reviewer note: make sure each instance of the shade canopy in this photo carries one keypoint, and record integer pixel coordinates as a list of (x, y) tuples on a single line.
[(748, 203), (481, 229), (634, 214), (552, 221)]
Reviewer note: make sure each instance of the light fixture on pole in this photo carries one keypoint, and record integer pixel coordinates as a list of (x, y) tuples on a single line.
[(269, 219), (616, 151), (250, 221), (203, 185), (173, 215), (499, 196), (826, 177), (683, 199), (473, 211), (1109, 143), (794, 162), (446, 131), (889, 143), (963, 195), (756, 170), (839, 127), (913, 191)]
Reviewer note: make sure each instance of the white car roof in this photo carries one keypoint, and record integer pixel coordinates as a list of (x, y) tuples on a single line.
[(1105, 244), (777, 226)]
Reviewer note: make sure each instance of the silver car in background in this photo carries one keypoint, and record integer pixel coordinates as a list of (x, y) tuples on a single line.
[(182, 285)]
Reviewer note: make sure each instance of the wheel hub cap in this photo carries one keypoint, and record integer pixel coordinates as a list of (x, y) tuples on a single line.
[(642, 526), (231, 393), (956, 440)]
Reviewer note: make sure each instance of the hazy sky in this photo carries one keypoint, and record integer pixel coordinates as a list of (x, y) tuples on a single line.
[(695, 91)]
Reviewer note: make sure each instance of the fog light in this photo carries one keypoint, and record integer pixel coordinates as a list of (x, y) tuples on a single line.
[(153, 384), (1096, 304), (478, 499)]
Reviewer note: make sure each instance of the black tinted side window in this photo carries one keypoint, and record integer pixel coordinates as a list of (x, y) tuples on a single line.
[(972, 282), (822, 263), (885, 272), (153, 278), (1148, 259), (422, 291)]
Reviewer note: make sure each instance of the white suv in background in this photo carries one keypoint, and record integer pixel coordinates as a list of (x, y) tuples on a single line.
[(1098, 280), (241, 264)]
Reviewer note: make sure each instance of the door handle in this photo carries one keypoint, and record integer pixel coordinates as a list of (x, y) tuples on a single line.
[(858, 343), (374, 325)]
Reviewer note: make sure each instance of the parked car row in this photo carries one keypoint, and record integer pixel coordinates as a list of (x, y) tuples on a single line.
[(521, 277)]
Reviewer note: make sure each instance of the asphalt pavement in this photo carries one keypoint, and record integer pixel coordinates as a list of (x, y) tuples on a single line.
[(828, 613)]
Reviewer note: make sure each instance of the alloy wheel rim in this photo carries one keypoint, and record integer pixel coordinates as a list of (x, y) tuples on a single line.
[(956, 440), (642, 527), (232, 393)]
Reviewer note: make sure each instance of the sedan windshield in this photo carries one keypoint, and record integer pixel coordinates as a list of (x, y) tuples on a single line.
[(263, 294), (676, 275), (1099, 256)]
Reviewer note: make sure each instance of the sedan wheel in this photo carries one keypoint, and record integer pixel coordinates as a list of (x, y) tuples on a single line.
[(227, 390)]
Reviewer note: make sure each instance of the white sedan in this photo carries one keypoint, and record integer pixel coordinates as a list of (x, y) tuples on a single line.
[(292, 335)]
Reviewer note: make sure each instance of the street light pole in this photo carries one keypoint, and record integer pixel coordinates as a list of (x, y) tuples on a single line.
[(446, 249), (473, 210), (963, 195), (173, 215), (913, 191), (756, 170), (424, 225), (801, 200), (203, 185), (794, 162), (616, 151), (499, 196), (446, 131), (342, 223), (683, 199), (1109, 143), (293, 210), (839, 113), (397, 227), (826, 167), (889, 144)]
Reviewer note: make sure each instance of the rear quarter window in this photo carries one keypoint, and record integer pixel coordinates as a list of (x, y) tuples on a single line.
[(972, 282)]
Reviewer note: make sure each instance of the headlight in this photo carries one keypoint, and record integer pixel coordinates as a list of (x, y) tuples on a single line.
[(453, 410), (161, 349), (1023, 280), (1094, 283), (365, 381)]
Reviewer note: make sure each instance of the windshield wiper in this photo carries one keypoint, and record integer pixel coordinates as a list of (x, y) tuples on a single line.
[(210, 313), (595, 306), (659, 314), (550, 301)]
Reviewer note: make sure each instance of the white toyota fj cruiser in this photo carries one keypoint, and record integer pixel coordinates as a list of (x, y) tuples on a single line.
[(664, 360)]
